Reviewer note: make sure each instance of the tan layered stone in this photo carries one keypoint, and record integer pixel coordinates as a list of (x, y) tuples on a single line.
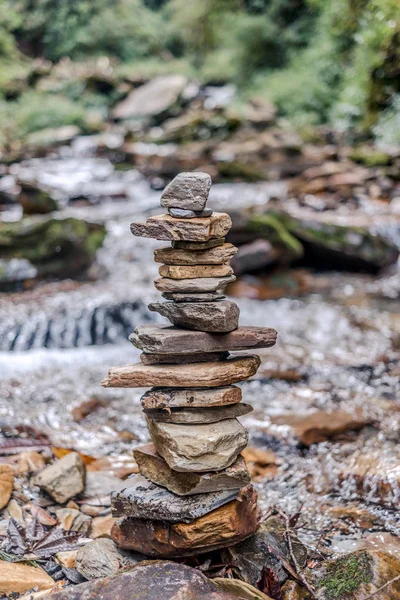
[(155, 468), (195, 397), (6, 484), (199, 285), (178, 256), (200, 415), (194, 272), (193, 448), (165, 227), (222, 527), (205, 374)]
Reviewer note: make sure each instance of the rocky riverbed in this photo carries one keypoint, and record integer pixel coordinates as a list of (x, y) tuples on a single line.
[(324, 434)]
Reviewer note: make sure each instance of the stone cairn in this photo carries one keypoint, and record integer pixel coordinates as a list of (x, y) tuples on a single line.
[(193, 493)]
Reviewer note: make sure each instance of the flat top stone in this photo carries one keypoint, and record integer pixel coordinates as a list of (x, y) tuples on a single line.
[(211, 256), (162, 397), (200, 285), (188, 191), (199, 415), (143, 499), (207, 374), (153, 338), (165, 227)]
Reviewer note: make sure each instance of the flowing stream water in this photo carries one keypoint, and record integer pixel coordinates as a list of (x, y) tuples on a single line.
[(58, 340)]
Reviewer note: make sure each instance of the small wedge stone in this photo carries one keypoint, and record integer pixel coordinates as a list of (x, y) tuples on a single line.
[(171, 359), (154, 467), (207, 297), (64, 478), (188, 191), (206, 374), (154, 338), (182, 213), (199, 415), (195, 397), (195, 271), (143, 499), (165, 227), (218, 317), (201, 285), (186, 245), (212, 256), (193, 448)]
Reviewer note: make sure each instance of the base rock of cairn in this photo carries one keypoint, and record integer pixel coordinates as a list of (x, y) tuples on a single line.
[(193, 493)]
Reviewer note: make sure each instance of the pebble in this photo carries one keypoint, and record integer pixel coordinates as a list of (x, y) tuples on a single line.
[(99, 558), (64, 478), (188, 191)]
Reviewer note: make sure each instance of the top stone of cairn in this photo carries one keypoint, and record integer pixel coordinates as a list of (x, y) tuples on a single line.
[(187, 191)]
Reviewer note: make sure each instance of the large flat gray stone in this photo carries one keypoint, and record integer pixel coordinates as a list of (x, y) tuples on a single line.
[(143, 499), (200, 285), (222, 316)]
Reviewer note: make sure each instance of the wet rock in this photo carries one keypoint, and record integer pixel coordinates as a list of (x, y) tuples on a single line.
[(357, 575), (30, 462), (148, 580), (36, 201), (155, 468), (56, 247), (101, 526), (212, 256), (320, 425), (165, 227), (101, 483), (201, 285), (67, 559), (222, 527), (187, 191), (181, 213), (188, 245), (153, 338), (143, 499), (264, 549), (64, 478), (208, 447), (260, 463), (240, 589), (157, 359), (99, 558), (254, 256), (71, 519), (200, 415), (18, 578), (6, 484), (176, 398), (218, 317), (194, 272), (205, 374), (152, 98), (182, 297), (16, 273)]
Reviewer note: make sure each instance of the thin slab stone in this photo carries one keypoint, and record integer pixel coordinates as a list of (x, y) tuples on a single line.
[(143, 499), (208, 374), (199, 415), (165, 227), (185, 245), (222, 316), (194, 271), (204, 447), (207, 297), (188, 191), (154, 467), (225, 526), (163, 397), (171, 359), (182, 213), (201, 285), (155, 338), (212, 256)]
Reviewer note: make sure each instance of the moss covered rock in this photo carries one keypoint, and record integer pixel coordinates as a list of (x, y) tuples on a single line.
[(36, 201), (58, 248)]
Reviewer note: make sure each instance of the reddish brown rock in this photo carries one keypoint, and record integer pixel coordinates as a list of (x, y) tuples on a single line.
[(176, 398), (205, 374), (222, 527), (170, 359), (165, 227)]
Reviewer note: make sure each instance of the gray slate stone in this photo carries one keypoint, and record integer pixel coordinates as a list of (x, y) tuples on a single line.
[(172, 359), (165, 227), (200, 285), (163, 397), (182, 213), (155, 338), (64, 478), (182, 297), (154, 467), (188, 191), (142, 499), (99, 558), (185, 245), (199, 415), (221, 317)]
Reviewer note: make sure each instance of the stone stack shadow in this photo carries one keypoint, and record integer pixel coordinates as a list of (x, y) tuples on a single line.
[(194, 492)]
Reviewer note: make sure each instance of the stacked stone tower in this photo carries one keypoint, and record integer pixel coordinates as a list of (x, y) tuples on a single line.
[(193, 493)]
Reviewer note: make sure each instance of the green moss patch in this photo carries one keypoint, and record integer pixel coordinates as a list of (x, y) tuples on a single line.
[(345, 575)]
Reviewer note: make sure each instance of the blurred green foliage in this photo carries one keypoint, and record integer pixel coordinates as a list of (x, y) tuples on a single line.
[(335, 61)]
